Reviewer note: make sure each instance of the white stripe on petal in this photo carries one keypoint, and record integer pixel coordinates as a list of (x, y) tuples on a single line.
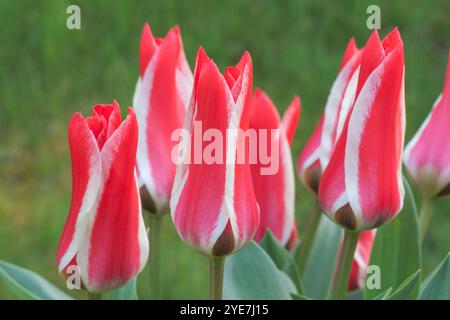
[(89, 201), (332, 110), (361, 111)]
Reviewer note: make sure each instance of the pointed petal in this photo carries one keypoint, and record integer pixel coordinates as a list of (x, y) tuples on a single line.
[(115, 247), (86, 176), (148, 47), (333, 109), (350, 51), (160, 108), (196, 210), (372, 56), (291, 118), (373, 179)]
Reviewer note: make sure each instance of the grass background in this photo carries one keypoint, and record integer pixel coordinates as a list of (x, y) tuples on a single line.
[(50, 72)]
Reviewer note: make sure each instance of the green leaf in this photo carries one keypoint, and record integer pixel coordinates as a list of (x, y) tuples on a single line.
[(127, 292), (437, 285), (384, 295), (403, 292), (396, 250), (251, 274), (320, 267), (27, 285), (282, 259), (296, 296)]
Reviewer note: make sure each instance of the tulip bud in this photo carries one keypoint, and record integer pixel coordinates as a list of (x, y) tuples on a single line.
[(361, 187), (316, 153), (160, 101), (275, 193), (213, 203), (104, 234), (427, 155)]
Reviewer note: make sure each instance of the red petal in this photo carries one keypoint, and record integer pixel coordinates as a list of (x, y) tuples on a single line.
[(375, 144), (114, 250), (291, 118), (86, 171), (197, 209), (148, 47), (350, 51)]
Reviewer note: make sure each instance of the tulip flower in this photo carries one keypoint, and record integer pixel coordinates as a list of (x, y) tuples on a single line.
[(275, 193), (361, 187), (104, 236), (317, 151), (160, 101), (361, 260), (213, 203), (427, 155)]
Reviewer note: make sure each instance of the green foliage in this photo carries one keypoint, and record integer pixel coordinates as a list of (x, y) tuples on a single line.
[(282, 259), (27, 285), (396, 250), (437, 286), (320, 266), (251, 274)]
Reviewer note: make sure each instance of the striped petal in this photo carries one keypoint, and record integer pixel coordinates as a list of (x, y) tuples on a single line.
[(86, 183), (275, 193), (220, 218), (427, 155), (360, 188), (115, 246), (160, 101)]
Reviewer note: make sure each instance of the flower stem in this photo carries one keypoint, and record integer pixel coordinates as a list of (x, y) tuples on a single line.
[(308, 238), (216, 265), (426, 211), (340, 285), (155, 221), (94, 296)]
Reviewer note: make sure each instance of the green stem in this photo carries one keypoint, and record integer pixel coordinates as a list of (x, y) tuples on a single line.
[(94, 296), (155, 221), (216, 265), (340, 285), (426, 211), (308, 238)]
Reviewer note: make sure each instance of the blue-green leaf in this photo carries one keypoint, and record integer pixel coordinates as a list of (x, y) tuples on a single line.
[(282, 259), (320, 267), (251, 274), (437, 285), (27, 285), (404, 290)]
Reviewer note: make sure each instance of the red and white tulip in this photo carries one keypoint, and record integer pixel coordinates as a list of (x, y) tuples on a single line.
[(317, 151), (160, 101), (104, 234), (213, 205), (361, 187), (275, 193), (427, 155)]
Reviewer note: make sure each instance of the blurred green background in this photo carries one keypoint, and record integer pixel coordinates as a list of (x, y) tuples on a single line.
[(49, 72)]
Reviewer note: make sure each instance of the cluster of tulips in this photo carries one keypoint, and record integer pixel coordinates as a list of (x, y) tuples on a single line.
[(352, 163)]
